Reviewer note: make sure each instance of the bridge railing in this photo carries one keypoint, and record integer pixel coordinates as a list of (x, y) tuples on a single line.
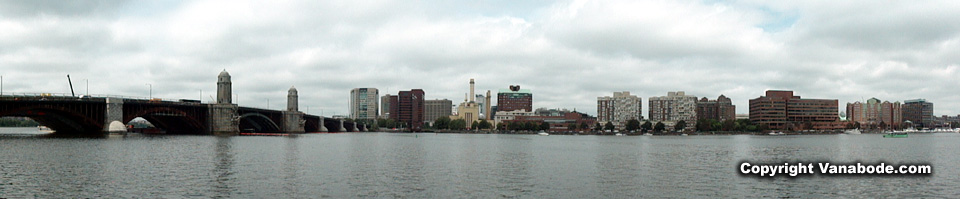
[(67, 95)]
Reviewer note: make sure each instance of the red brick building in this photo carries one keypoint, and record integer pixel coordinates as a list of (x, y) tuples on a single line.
[(559, 123), (781, 110), (410, 108), (719, 110), (514, 99)]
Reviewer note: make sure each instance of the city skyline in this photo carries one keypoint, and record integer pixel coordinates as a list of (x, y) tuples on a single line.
[(566, 52)]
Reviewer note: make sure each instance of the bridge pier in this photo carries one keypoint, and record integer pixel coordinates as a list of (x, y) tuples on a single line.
[(223, 119), (342, 129), (323, 126), (293, 122), (113, 112)]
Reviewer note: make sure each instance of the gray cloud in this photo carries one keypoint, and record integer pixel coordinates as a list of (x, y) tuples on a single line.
[(567, 52)]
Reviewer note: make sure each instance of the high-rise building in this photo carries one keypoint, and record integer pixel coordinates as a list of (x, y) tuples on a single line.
[(482, 103), (387, 103), (410, 108), (891, 114), (719, 110), (364, 103), (919, 112), (514, 99), (874, 113), (437, 108), (675, 107), (619, 109), (781, 110)]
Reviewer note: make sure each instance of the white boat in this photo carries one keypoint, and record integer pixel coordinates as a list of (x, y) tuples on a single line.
[(776, 133), (853, 131), (683, 134), (543, 133), (44, 129), (620, 134), (648, 134)]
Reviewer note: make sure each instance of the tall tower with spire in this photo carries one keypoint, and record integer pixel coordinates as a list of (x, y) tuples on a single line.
[(224, 88)]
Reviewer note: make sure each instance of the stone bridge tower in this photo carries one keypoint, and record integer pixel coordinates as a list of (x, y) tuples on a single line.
[(222, 116), (224, 88), (293, 121)]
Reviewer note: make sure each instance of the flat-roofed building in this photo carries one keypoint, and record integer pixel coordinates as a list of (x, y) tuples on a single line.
[(782, 110)]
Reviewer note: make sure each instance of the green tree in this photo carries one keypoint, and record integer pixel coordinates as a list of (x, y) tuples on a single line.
[(515, 125), (458, 124), (659, 127), (475, 125), (442, 123), (680, 125), (572, 127), (484, 124), (633, 124), (544, 126), (597, 127), (609, 126), (647, 126), (728, 125), (705, 125), (743, 123), (583, 125), (530, 126)]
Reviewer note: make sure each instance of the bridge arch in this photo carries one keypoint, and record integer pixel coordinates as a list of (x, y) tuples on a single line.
[(61, 119), (174, 121), (257, 122)]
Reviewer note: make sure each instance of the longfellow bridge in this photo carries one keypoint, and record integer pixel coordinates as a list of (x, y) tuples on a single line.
[(94, 115)]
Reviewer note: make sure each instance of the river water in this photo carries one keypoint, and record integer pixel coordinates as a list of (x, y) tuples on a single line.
[(362, 165)]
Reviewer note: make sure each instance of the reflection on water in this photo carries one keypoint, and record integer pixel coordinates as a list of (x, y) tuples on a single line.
[(460, 166), (223, 168)]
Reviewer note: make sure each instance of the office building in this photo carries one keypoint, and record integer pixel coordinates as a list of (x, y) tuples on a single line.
[(410, 108), (514, 99), (919, 112), (364, 103), (781, 110), (434, 109), (387, 105)]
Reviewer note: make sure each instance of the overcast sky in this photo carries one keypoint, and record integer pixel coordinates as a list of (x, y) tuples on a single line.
[(567, 52)]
